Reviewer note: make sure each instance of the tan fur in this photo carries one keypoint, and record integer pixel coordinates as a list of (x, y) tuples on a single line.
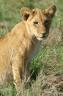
[(19, 45)]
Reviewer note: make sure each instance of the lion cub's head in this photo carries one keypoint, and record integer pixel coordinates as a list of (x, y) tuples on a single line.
[(38, 20)]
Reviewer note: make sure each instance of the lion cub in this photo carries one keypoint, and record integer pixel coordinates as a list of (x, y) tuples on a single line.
[(19, 46)]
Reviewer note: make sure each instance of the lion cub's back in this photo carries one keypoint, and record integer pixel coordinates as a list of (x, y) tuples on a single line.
[(5, 67)]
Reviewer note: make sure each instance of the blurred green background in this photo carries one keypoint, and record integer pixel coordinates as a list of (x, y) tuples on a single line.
[(50, 57)]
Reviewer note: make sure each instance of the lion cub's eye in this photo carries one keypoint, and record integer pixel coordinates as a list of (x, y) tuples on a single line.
[(35, 22)]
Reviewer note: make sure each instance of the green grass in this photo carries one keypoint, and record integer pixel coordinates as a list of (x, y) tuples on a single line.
[(50, 58)]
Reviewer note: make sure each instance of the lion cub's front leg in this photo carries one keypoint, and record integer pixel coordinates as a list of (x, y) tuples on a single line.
[(17, 69)]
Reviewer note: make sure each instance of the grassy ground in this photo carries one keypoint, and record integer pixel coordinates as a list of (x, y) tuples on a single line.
[(49, 62)]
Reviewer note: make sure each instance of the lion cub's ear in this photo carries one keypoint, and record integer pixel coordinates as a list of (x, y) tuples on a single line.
[(25, 12), (50, 11)]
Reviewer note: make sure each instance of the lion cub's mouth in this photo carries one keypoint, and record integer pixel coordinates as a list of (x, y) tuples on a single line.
[(43, 36), (40, 38)]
